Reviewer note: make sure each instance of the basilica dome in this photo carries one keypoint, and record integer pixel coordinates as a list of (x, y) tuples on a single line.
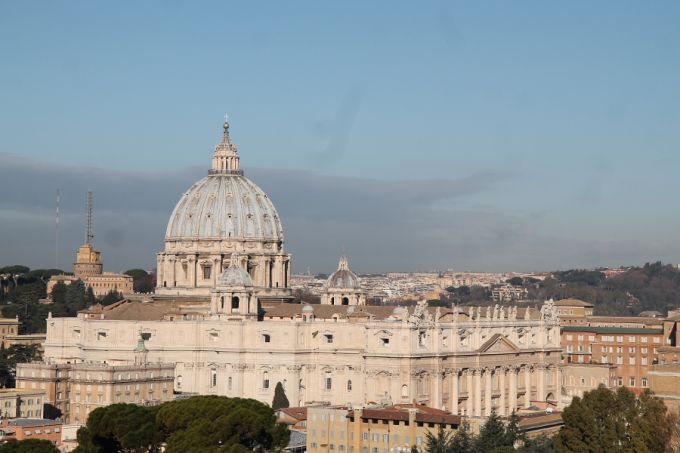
[(221, 218), (224, 206)]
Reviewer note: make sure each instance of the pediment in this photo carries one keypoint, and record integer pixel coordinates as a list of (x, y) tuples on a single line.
[(498, 343)]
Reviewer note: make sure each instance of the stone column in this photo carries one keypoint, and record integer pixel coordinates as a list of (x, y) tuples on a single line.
[(470, 392), (453, 405), (527, 386), (488, 372), (512, 400), (160, 269), (477, 394), (437, 387), (215, 271), (540, 384), (171, 278), (502, 408), (558, 385), (192, 271)]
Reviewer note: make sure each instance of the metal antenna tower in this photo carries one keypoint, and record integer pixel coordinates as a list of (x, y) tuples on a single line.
[(88, 219), (56, 232)]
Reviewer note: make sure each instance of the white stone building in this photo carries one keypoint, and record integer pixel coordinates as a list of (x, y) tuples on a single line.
[(222, 315)]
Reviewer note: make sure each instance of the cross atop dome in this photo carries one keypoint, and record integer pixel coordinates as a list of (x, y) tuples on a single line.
[(225, 160)]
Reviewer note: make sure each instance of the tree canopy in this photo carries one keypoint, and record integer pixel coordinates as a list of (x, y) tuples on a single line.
[(606, 421), (29, 446), (142, 281), (196, 424)]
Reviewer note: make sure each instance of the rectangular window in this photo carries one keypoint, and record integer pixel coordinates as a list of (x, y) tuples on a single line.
[(591, 337), (619, 360), (643, 361), (386, 438), (580, 338), (631, 360), (631, 350), (570, 337), (644, 382), (643, 350), (643, 339), (656, 339), (206, 272), (632, 381), (631, 339), (385, 342), (328, 338), (619, 339)]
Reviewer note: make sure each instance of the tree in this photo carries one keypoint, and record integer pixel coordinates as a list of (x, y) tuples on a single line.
[(111, 298), (142, 281), (515, 281), (29, 446), (540, 444), (513, 434), (120, 427), (605, 421), (463, 441), (442, 442), (492, 434), (217, 423), (280, 399)]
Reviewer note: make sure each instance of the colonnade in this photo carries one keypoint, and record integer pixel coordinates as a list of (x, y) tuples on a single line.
[(475, 391)]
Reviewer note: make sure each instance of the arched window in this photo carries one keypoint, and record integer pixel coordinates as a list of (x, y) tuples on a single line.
[(265, 380), (328, 381), (234, 303), (404, 391), (345, 301), (332, 300), (179, 381), (349, 386)]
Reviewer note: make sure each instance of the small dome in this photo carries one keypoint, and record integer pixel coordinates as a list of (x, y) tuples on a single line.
[(307, 309), (234, 275), (397, 311), (343, 278)]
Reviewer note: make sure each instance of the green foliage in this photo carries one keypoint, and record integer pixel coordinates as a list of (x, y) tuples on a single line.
[(111, 298), (10, 357), (592, 278), (212, 423), (494, 437), (605, 421), (442, 442), (29, 446), (14, 269), (540, 444), (515, 281), (492, 434), (280, 398), (438, 303), (142, 281), (463, 441), (120, 427)]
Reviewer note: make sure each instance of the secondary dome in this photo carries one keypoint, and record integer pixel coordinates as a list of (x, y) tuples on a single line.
[(343, 278), (234, 275), (225, 204)]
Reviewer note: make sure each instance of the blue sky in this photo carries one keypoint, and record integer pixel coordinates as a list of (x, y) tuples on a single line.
[(564, 115)]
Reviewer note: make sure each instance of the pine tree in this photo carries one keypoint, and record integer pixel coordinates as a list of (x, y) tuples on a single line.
[(280, 399), (513, 434), (492, 434), (442, 442), (463, 441)]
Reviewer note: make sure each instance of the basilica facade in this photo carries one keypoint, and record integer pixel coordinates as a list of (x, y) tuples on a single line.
[(222, 315)]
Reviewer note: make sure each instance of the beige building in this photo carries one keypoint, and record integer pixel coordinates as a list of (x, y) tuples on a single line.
[(16, 403), (580, 378), (73, 390), (221, 314), (573, 308), (664, 381), (380, 429)]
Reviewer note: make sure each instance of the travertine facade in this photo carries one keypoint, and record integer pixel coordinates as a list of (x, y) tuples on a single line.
[(467, 362), (220, 314)]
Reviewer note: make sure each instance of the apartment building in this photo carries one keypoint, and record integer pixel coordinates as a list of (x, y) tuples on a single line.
[(21, 403), (374, 430)]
